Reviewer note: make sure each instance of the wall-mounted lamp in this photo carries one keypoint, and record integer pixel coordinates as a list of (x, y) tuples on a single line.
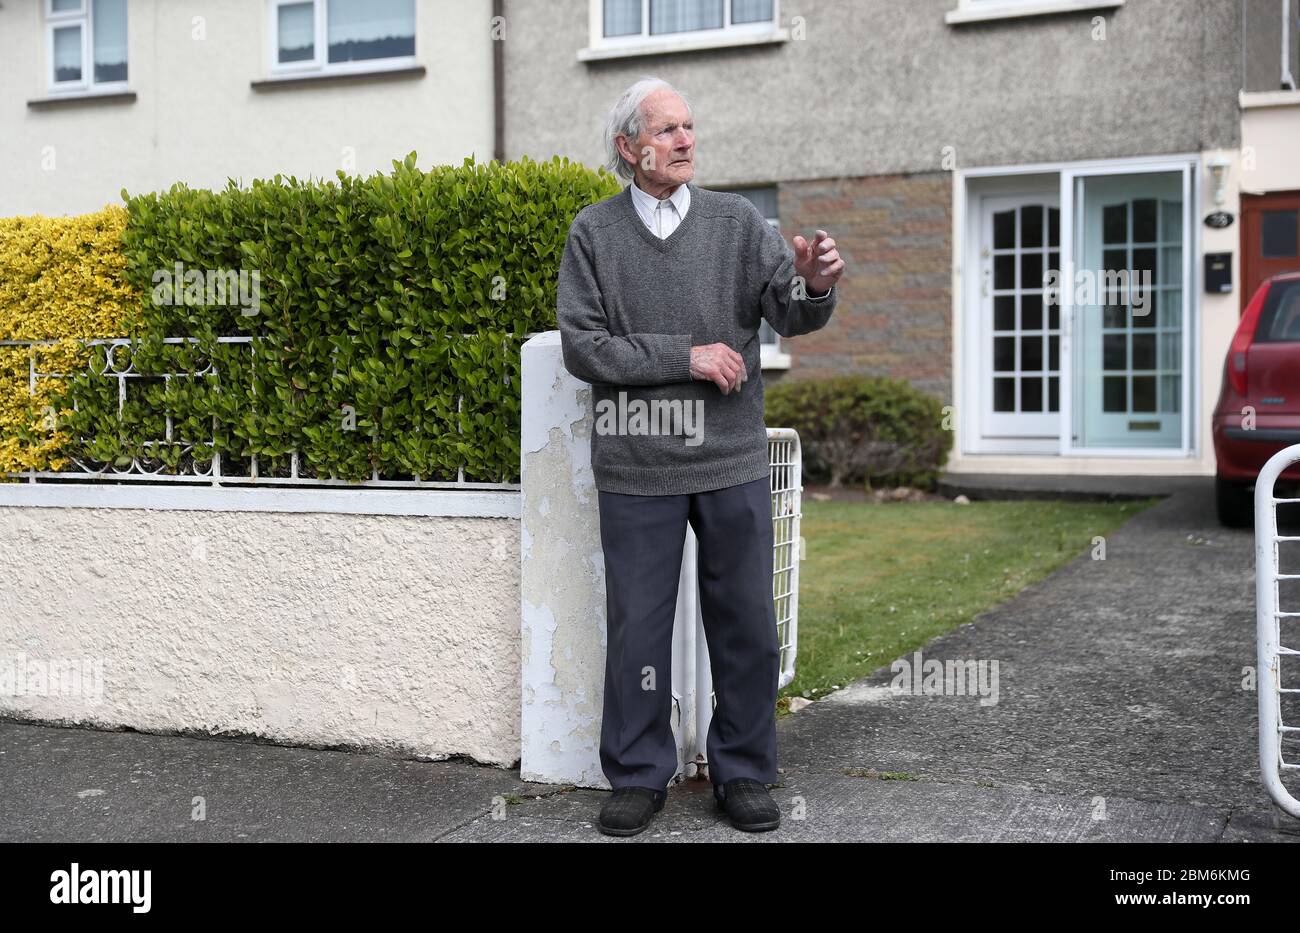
[(1219, 165)]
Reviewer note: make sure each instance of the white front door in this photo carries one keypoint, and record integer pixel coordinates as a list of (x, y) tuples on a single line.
[(1018, 332)]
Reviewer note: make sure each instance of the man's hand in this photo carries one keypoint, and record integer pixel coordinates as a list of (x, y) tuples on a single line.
[(818, 262), (719, 364)]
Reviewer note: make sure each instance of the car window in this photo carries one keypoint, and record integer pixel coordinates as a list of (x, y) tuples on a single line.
[(1280, 319)]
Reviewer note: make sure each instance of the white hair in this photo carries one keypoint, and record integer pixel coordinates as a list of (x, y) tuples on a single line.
[(625, 117)]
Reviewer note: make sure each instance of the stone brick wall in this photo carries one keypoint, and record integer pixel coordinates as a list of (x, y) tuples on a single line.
[(894, 316)]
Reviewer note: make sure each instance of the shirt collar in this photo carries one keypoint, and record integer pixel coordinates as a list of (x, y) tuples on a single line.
[(681, 198)]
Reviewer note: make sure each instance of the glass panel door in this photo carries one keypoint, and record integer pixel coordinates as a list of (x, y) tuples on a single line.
[(1129, 311), (1019, 331)]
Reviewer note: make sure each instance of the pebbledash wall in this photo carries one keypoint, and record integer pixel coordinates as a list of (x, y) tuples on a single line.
[(296, 616)]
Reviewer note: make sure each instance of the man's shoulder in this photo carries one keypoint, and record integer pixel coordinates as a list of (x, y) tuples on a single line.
[(725, 204), (602, 213)]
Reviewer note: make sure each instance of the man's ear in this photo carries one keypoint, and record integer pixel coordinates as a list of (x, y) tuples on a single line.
[(620, 141)]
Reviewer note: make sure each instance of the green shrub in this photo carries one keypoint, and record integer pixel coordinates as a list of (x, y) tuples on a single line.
[(863, 429), (61, 281), (387, 324)]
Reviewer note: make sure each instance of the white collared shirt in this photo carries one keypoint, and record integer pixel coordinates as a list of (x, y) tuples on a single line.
[(669, 215)]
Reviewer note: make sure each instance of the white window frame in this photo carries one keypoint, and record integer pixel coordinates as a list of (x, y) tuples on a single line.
[(320, 64), (85, 18), (1193, 370), (600, 46), (973, 11)]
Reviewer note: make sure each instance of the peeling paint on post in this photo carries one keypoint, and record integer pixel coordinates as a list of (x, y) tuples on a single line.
[(562, 583)]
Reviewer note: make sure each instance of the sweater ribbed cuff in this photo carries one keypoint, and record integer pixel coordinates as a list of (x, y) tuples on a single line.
[(676, 365)]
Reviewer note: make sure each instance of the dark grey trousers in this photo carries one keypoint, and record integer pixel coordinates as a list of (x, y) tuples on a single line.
[(642, 539)]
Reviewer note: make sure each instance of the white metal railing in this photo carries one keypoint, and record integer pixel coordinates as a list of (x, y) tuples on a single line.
[(786, 459), (210, 471), (1268, 631)]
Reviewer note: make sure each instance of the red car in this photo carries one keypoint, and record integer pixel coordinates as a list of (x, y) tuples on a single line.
[(1259, 406)]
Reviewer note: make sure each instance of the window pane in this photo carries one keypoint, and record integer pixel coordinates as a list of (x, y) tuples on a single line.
[(1279, 233), (109, 36), (1031, 354), (297, 33), (1280, 319), (1004, 394), (1031, 312), (1114, 353), (684, 15), (1004, 229), (751, 11), (1172, 230), (1144, 393), (1170, 389), (1031, 394), (622, 18), (1004, 271), (766, 334), (1114, 223), (1004, 353), (1004, 312), (67, 53), (1031, 225), (363, 30), (1113, 394), (1031, 271), (1144, 220), (67, 6), (1144, 351)]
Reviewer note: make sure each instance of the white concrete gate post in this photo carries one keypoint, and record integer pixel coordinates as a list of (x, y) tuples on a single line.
[(562, 587)]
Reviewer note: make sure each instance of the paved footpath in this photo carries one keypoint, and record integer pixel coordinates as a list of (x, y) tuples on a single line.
[(1119, 696)]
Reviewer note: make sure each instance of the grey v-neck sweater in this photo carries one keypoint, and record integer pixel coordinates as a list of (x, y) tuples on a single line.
[(630, 306)]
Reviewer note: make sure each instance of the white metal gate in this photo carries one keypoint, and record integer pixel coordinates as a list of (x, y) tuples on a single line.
[(691, 672), (1269, 616)]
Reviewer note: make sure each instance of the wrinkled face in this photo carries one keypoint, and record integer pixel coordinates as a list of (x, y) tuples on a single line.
[(665, 151)]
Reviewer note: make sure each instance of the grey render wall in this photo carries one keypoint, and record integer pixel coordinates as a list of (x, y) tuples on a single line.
[(882, 86)]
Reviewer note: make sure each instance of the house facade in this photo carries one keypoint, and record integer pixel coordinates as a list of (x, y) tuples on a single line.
[(957, 150), (101, 95)]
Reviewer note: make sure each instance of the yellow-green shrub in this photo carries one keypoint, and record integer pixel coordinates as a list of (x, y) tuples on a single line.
[(61, 279)]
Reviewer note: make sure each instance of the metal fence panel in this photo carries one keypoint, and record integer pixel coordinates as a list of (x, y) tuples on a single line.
[(1275, 734)]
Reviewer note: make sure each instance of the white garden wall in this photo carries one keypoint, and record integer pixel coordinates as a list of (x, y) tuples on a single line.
[(375, 631)]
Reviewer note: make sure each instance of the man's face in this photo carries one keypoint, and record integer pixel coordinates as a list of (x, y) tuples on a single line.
[(665, 151)]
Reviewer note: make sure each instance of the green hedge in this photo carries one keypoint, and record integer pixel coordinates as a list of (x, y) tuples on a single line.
[(863, 429), (394, 295)]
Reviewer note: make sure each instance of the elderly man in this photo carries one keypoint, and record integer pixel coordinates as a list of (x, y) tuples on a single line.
[(661, 291)]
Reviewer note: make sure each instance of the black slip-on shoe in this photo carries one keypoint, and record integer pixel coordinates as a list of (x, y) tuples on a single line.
[(748, 804), (630, 810)]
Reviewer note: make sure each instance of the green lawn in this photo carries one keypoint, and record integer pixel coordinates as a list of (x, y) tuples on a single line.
[(880, 580)]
